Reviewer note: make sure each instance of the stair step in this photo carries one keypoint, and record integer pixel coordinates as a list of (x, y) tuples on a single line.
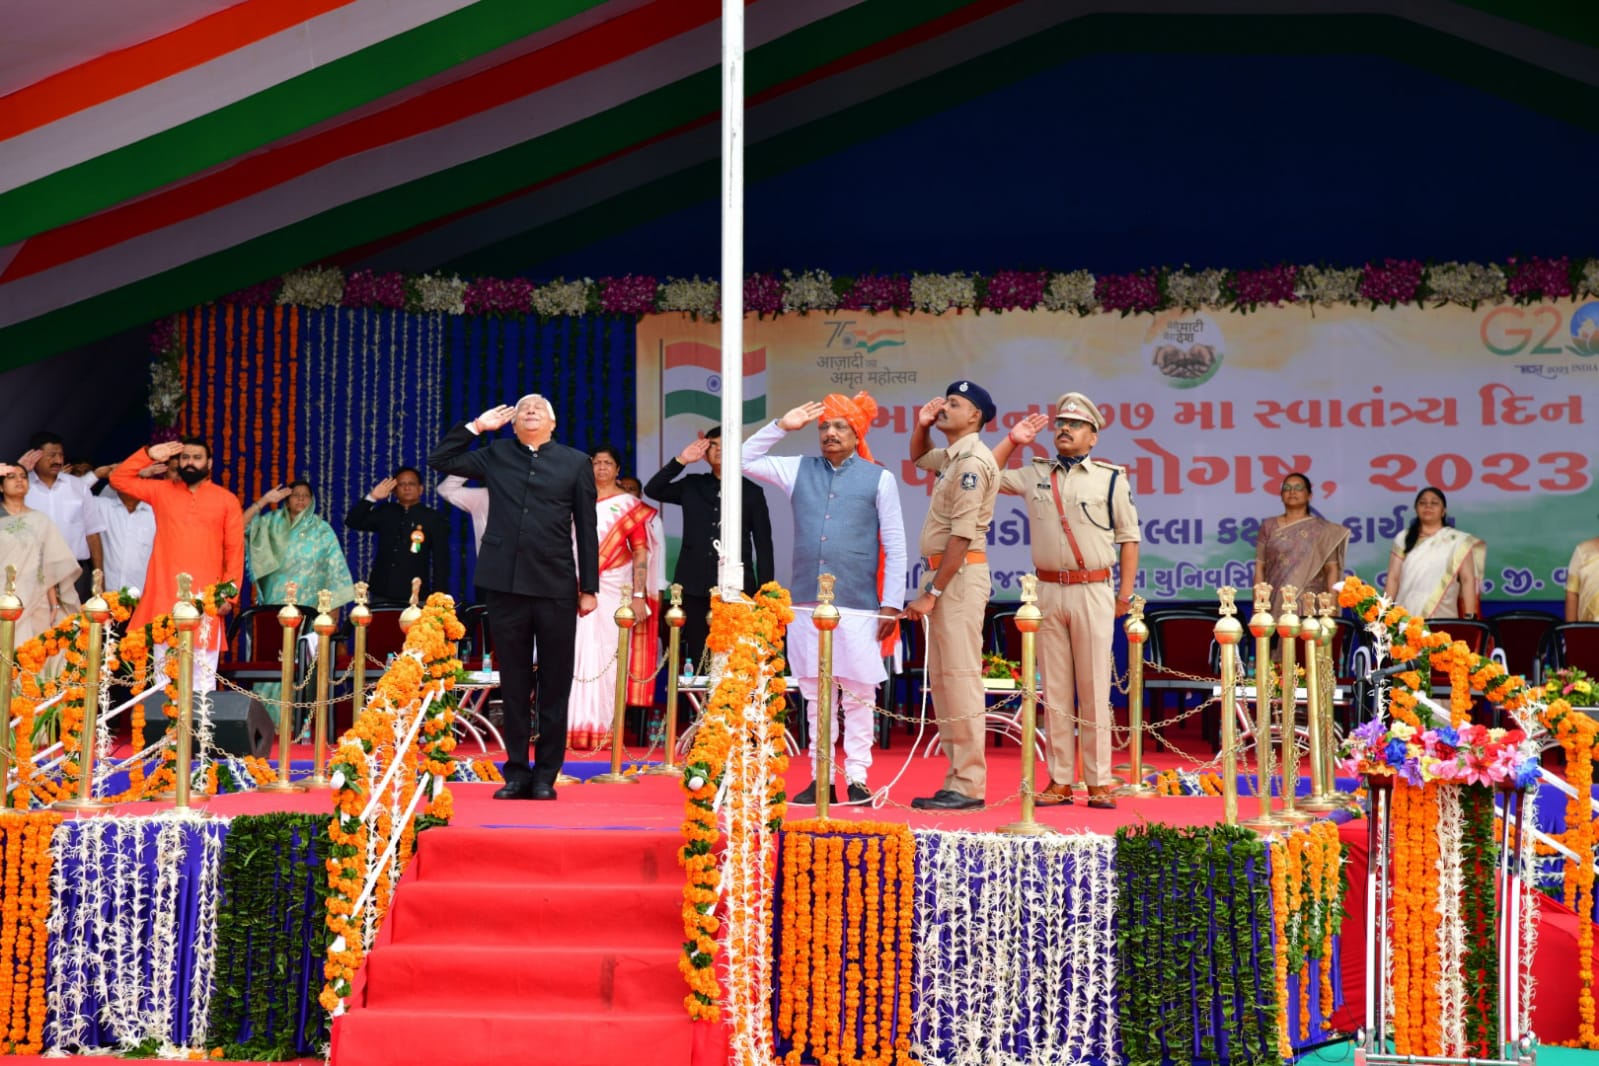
[(596, 981), (539, 855), (388, 1036), (573, 916)]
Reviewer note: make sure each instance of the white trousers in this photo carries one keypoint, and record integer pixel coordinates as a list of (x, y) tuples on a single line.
[(205, 668), (859, 703)]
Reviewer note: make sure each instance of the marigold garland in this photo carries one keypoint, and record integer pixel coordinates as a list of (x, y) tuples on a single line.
[(24, 929), (427, 666), (743, 717), (846, 951)]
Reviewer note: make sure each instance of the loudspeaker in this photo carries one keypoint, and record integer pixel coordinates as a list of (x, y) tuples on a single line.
[(240, 725)]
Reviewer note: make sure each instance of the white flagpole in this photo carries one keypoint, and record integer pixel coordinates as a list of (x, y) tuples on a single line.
[(731, 572)]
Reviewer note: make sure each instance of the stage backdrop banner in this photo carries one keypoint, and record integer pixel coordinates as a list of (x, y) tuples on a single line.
[(1208, 412)]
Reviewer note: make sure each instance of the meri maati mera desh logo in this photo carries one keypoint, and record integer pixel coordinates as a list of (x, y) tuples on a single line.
[(1186, 349)]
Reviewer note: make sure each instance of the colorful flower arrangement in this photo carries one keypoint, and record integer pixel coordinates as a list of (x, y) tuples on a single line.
[(740, 745), (1574, 684), (1427, 754), (427, 666), (845, 961), (24, 929), (998, 668), (1307, 911), (1389, 282)]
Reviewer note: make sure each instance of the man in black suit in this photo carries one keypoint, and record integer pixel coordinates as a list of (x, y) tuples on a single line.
[(413, 538), (540, 493), (700, 496)]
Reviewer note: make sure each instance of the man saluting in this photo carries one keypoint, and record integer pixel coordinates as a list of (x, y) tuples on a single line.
[(540, 494)]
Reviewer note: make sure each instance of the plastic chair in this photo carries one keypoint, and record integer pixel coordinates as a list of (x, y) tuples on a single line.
[(1574, 644), (1182, 646), (1519, 641), (255, 645)]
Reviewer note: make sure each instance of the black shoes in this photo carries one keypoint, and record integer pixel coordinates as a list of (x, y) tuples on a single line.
[(859, 794), (807, 796), (518, 789), (541, 791), (945, 800)]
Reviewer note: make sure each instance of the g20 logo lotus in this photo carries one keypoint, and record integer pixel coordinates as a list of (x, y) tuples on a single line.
[(1536, 331)]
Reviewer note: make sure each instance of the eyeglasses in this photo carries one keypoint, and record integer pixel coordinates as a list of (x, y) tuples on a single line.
[(1296, 487), (1076, 425)]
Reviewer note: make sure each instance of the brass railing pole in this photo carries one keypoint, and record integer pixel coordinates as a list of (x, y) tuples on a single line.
[(186, 619), (1287, 635), (97, 611), (1326, 604), (1261, 626), (289, 618), (1137, 637), (625, 620), (1315, 708), (826, 618), (11, 609), (674, 653), (1228, 633), (1028, 617), (324, 626), (361, 619)]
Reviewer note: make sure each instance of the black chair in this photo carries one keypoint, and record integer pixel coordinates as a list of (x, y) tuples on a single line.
[(255, 645), (478, 641), (1574, 644), (1003, 638), (1519, 640), (1182, 646)]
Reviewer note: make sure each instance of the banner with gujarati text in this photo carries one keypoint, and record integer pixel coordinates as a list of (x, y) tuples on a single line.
[(1207, 411)]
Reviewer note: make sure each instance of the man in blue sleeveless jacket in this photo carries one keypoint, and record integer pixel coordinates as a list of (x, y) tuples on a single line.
[(847, 523)]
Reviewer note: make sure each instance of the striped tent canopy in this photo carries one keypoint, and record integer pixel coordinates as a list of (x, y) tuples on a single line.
[(155, 154)]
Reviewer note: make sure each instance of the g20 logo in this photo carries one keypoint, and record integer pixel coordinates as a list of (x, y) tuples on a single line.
[(1534, 331)]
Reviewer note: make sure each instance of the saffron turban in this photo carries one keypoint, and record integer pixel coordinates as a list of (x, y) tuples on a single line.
[(858, 412)]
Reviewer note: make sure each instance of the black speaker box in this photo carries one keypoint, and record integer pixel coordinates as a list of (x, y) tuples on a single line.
[(240, 724)]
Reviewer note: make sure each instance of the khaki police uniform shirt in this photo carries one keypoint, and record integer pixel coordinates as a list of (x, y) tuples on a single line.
[(963, 496), (1088, 499)]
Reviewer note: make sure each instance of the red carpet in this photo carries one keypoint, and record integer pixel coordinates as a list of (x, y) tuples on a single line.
[(503, 941)]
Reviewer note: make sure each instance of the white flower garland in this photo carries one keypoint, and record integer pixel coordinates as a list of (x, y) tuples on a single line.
[(1194, 291), (1451, 925), (1071, 292), (937, 293), (703, 299), (1588, 284), (1467, 284), (441, 294), (1030, 953), (561, 297), (811, 290), (1328, 286), (312, 287), (120, 946), (1526, 884)]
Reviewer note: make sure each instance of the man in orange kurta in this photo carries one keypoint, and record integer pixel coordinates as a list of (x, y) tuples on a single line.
[(199, 530)]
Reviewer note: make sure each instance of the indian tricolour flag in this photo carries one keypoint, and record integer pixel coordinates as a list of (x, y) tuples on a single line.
[(691, 382)]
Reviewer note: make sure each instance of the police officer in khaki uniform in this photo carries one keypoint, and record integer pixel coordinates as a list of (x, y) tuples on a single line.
[(954, 545), (1083, 520)]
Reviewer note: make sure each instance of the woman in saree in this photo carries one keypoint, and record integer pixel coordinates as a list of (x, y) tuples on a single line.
[(1435, 570), (631, 553), (1299, 548), (1582, 583), (292, 544), (46, 567)]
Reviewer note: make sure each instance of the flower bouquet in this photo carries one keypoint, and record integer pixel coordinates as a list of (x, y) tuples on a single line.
[(1574, 685), (1467, 755), (1000, 672)]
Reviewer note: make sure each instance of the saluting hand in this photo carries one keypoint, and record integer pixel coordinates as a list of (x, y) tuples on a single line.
[(30, 458), (799, 416), (494, 418), (167, 449), (382, 489), (1027, 430), (694, 451), (928, 414), (154, 470), (276, 495)]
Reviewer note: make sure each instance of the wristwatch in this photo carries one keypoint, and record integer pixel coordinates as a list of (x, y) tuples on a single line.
[(934, 591)]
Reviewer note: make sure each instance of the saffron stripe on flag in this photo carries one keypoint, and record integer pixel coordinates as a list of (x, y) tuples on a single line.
[(709, 357)]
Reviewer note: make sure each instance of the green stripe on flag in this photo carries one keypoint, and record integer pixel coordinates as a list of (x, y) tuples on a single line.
[(709, 405)]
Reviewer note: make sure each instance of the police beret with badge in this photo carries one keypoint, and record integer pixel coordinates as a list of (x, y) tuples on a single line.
[(976, 395)]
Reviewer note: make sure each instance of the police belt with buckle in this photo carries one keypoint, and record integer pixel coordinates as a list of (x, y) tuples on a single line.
[(1074, 577), (971, 557)]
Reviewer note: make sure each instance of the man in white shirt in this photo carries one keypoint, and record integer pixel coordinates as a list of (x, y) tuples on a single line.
[(847, 522), (67, 501), (474, 501), (128, 538)]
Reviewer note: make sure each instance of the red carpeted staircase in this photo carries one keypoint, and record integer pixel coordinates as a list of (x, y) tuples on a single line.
[(523, 946)]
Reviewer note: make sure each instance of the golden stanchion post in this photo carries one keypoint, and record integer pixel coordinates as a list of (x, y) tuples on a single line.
[(409, 616), (97, 611), (674, 652), (11, 609), (185, 619), (1137, 637), (826, 619), (1229, 631), (1028, 617), (1326, 605), (624, 652), (324, 626), (289, 619), (1261, 626), (361, 619), (1287, 634), (1315, 707)]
